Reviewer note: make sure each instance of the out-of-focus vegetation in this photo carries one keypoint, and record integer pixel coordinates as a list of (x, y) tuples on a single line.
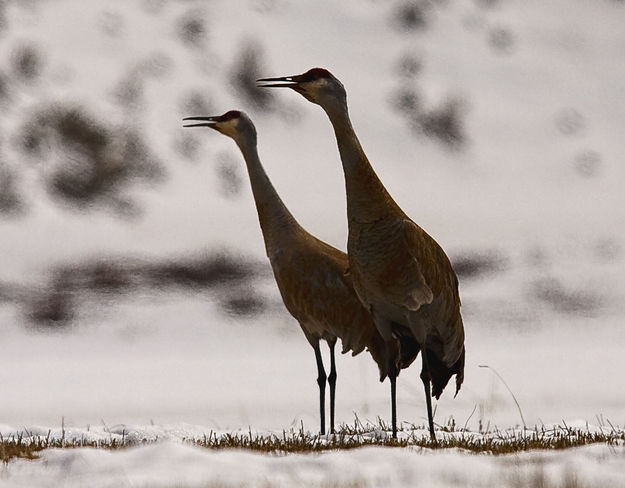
[(478, 264), (93, 163), (443, 123), (229, 279), (580, 300), (10, 201), (247, 68), (412, 15), (89, 158), (88, 153), (192, 29), (27, 63)]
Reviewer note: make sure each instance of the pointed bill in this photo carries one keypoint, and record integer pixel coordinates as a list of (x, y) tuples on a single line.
[(279, 82), (202, 121)]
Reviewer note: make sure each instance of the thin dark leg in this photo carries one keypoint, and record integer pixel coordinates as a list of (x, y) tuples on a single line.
[(428, 401), (321, 381), (425, 377), (332, 382), (393, 379), (392, 371)]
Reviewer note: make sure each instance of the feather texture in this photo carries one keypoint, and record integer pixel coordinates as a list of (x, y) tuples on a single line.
[(400, 273)]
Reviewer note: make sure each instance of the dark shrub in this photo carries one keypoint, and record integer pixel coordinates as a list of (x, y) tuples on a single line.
[(192, 29), (445, 124), (243, 304), (10, 201), (27, 62), (475, 265), (204, 272), (52, 309), (229, 176), (501, 40), (412, 15), (565, 299), (246, 70), (93, 162)]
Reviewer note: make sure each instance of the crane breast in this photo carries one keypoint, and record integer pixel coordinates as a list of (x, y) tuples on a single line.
[(384, 266)]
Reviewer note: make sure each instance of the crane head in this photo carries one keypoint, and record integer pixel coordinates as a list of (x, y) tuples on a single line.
[(234, 124), (317, 85)]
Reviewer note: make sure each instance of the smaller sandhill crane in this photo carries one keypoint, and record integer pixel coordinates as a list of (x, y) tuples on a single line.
[(311, 275), (400, 273)]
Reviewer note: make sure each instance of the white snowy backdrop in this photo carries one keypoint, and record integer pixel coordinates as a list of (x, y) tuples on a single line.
[(133, 283)]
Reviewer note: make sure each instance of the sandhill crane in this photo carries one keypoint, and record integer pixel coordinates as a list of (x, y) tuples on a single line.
[(400, 273), (311, 275)]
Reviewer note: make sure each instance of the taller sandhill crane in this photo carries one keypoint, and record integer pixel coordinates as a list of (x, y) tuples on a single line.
[(400, 273), (311, 275)]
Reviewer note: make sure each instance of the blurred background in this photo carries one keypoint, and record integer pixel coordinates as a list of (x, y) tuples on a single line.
[(133, 281)]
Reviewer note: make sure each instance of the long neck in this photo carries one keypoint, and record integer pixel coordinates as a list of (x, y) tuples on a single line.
[(276, 222), (367, 199)]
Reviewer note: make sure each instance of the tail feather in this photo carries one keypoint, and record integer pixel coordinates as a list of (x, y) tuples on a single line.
[(440, 374), (408, 349)]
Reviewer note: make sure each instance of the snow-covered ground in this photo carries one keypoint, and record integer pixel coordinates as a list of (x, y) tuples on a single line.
[(536, 189), (173, 464), (175, 461)]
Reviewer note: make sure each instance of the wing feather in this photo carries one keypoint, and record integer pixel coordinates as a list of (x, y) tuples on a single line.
[(419, 291)]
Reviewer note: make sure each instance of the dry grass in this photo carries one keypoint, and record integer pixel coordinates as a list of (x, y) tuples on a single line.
[(27, 447), (348, 436)]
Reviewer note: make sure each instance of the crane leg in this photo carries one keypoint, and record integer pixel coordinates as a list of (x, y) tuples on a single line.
[(392, 373), (321, 381), (332, 382), (385, 328), (425, 377), (393, 379)]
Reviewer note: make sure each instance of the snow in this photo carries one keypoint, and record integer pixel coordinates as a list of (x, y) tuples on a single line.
[(174, 464), (174, 461), (171, 356), (539, 185)]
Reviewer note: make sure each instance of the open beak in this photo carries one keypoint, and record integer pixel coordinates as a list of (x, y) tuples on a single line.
[(205, 121), (280, 82)]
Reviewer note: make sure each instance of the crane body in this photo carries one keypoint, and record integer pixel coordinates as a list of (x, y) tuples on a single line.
[(400, 273), (311, 275)]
